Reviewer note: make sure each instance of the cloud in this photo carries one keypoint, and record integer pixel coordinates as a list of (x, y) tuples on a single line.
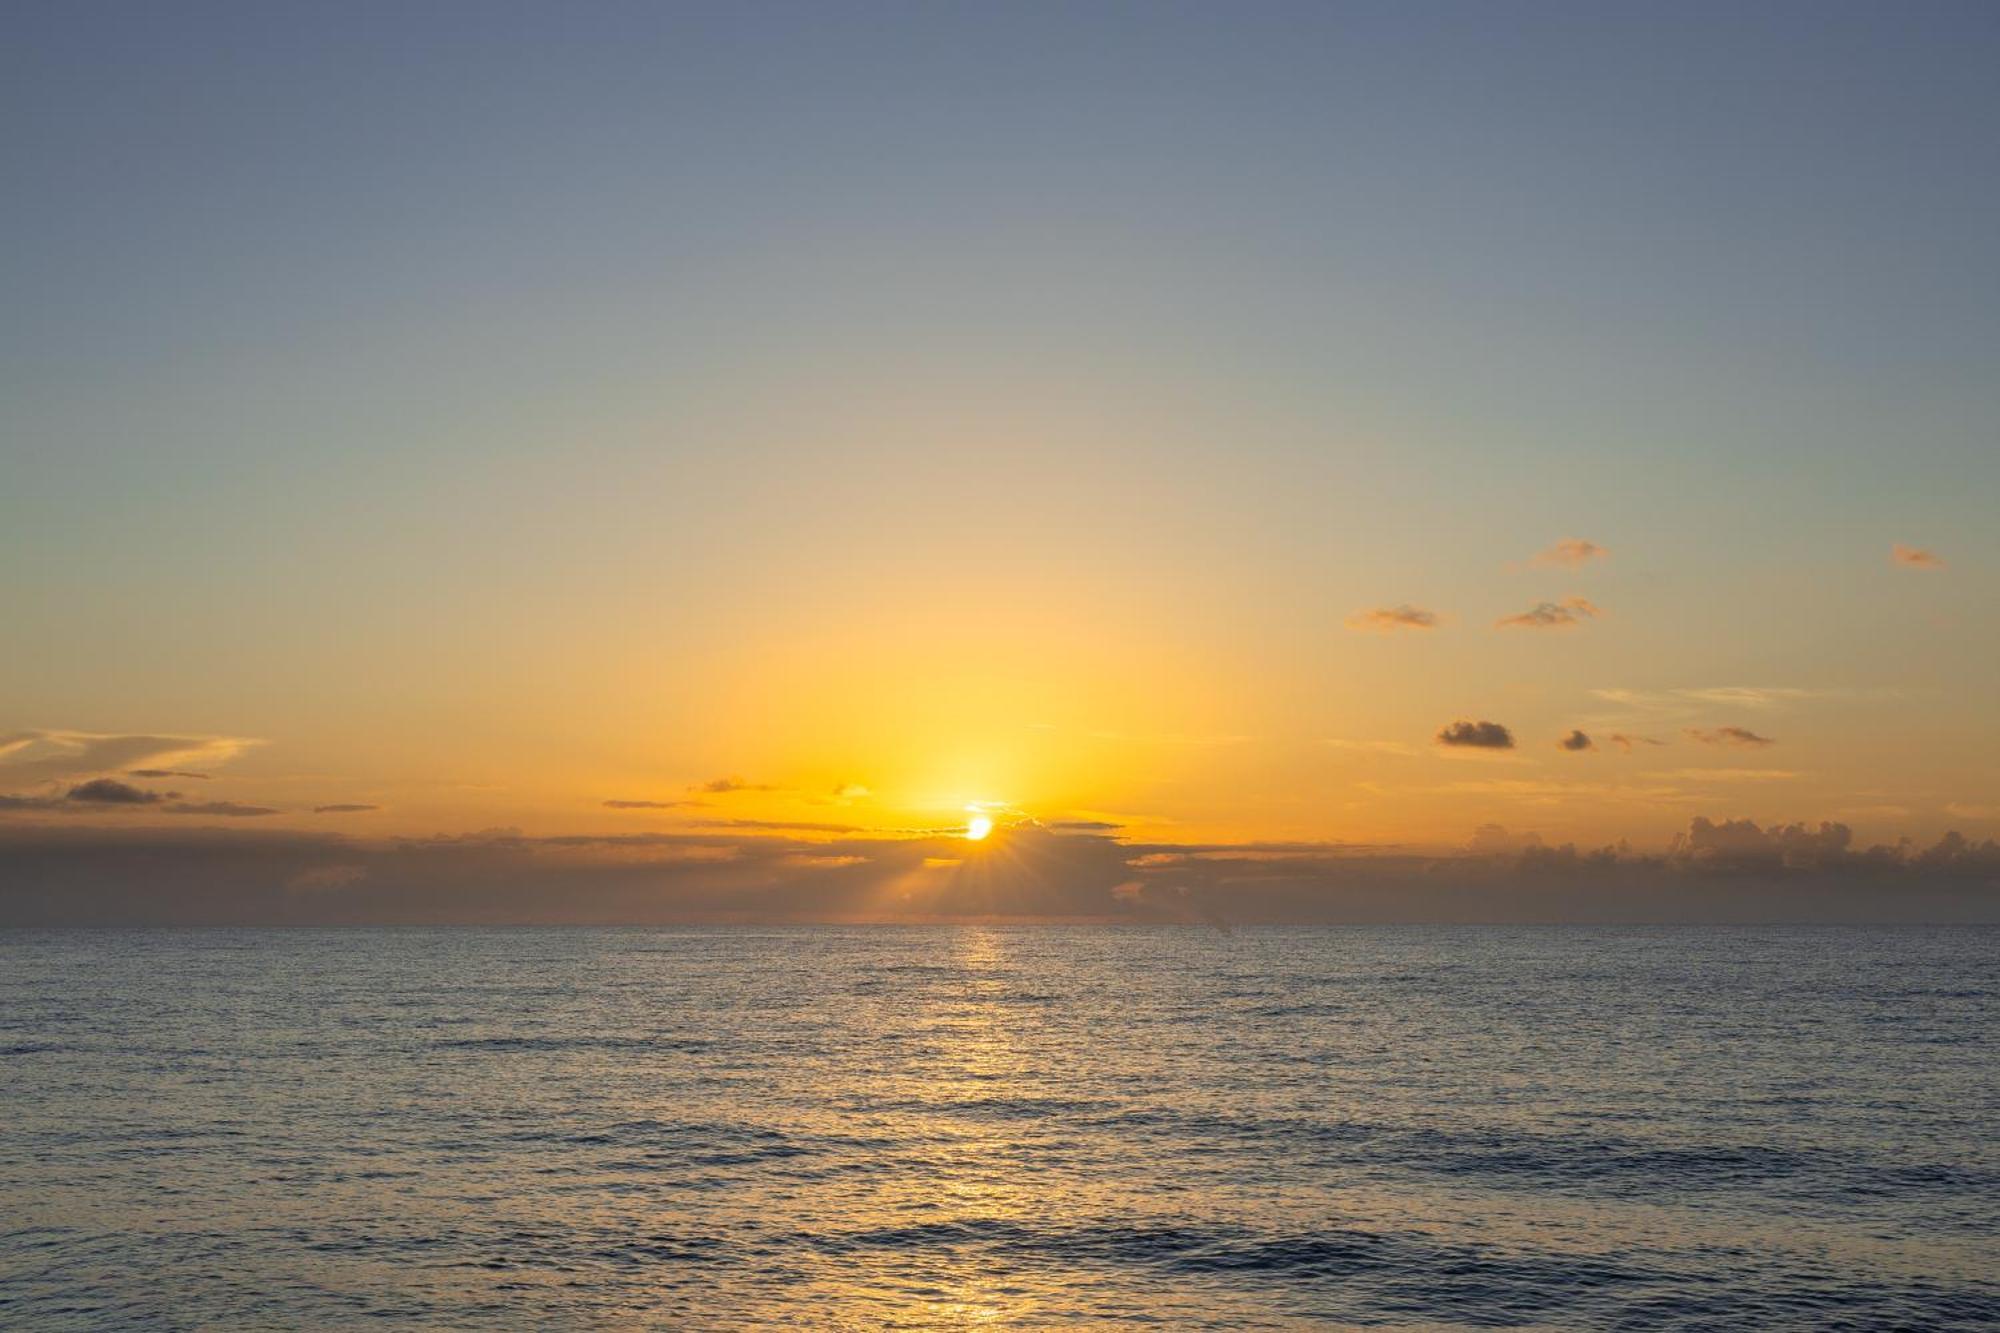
[(1495, 840), (1741, 737), (1716, 870), (1576, 741), (1682, 701), (1566, 614), (344, 808), (1915, 557), (1625, 743), (1753, 696), (1882, 811), (1966, 810), (1477, 735), (650, 805), (166, 773), (1403, 748), (850, 791), (1171, 738), (110, 791), (1740, 844), (722, 786), (1730, 774), (779, 825), (1544, 791), (326, 877), (1389, 619), (1571, 553), (59, 755), (109, 794)]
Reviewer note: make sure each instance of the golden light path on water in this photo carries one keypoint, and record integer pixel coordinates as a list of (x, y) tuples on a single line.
[(994, 1126)]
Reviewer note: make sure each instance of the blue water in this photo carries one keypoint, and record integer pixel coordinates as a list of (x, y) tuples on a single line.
[(1038, 1128)]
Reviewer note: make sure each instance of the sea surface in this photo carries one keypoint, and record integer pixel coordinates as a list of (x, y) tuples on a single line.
[(1037, 1128)]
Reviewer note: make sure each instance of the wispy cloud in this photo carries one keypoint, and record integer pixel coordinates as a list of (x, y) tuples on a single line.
[(1402, 748), (1741, 737), (650, 805), (1625, 743), (723, 786), (779, 825), (1174, 738), (1566, 614), (166, 773), (1915, 557), (1766, 697), (1571, 553), (1576, 742), (344, 808), (1729, 774), (1752, 696), (226, 809), (43, 756), (1476, 735), (1390, 619)]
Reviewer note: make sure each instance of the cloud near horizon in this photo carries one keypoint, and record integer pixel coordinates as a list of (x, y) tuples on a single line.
[(1576, 742), (1915, 557), (1390, 619), (1731, 870), (1566, 614), (227, 809), (1477, 735)]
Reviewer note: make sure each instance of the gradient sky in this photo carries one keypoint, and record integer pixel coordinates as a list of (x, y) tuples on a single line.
[(482, 413)]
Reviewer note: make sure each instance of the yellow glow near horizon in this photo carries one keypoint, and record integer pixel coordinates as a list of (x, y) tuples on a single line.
[(978, 827)]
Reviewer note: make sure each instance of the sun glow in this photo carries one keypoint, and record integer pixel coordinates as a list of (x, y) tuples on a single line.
[(978, 827)]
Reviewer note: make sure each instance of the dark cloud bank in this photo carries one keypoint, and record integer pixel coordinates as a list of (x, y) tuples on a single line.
[(1715, 872)]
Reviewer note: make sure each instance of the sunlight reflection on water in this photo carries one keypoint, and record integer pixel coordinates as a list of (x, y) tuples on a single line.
[(1032, 1127)]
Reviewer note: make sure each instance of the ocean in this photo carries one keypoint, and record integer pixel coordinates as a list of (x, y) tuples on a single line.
[(1035, 1127)]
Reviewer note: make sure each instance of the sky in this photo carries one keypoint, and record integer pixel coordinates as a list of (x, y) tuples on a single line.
[(723, 440)]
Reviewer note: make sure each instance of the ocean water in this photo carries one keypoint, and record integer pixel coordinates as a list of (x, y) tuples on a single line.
[(1035, 1128)]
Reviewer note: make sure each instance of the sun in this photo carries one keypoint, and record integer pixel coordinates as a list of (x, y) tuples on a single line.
[(978, 827)]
